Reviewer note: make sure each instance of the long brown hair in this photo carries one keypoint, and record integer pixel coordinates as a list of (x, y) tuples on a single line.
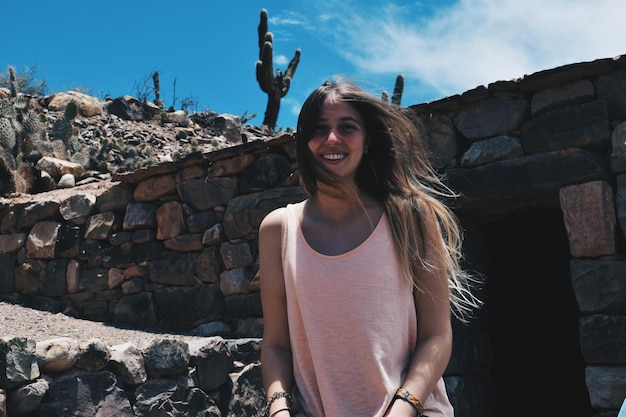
[(396, 172)]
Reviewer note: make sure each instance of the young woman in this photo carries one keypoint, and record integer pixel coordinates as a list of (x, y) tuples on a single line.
[(357, 281)]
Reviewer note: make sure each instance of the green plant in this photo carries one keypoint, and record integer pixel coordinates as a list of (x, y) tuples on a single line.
[(15, 89), (7, 109), (8, 135), (73, 145), (11, 128), (81, 157), (276, 85), (32, 121), (26, 81), (32, 130), (62, 129), (245, 118), (15, 142)]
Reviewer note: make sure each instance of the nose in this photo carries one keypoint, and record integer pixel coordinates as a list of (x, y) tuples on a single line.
[(333, 136)]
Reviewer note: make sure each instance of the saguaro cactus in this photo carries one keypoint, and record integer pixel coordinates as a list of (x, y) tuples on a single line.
[(396, 97), (156, 86), (276, 85)]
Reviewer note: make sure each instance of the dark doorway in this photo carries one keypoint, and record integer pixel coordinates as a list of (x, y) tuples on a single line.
[(533, 318)]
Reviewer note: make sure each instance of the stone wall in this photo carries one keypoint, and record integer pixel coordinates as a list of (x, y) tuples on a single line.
[(176, 245), (556, 138), (209, 377)]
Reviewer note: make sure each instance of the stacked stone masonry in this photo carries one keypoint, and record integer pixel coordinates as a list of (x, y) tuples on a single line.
[(208, 377), (176, 245)]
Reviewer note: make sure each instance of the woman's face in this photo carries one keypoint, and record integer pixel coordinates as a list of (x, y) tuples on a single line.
[(338, 142)]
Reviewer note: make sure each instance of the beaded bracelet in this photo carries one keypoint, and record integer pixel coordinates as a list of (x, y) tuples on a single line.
[(405, 395), (274, 397)]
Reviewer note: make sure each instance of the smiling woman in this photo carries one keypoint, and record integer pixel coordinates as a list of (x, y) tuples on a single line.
[(373, 228)]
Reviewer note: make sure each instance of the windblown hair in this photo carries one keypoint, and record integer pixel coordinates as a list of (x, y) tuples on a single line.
[(396, 172)]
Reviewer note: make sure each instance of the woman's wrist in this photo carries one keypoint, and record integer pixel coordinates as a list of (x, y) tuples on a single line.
[(278, 404), (403, 394)]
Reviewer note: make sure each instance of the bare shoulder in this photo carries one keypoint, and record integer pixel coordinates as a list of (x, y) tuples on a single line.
[(270, 230), (273, 220)]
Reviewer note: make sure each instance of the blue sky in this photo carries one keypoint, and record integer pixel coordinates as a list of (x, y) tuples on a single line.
[(209, 48)]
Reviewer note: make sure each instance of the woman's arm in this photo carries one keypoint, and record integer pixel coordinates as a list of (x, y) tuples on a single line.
[(434, 336), (276, 365)]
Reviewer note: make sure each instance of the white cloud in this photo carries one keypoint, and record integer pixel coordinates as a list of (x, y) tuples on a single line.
[(285, 24), (474, 42), (280, 60), (291, 105), (288, 18)]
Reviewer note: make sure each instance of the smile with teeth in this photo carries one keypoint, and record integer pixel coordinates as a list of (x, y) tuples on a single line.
[(334, 156)]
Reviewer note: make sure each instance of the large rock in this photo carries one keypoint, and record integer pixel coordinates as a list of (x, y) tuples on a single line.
[(127, 362), (97, 394), (27, 398), (213, 362), (57, 355), (87, 105), (165, 357), (19, 360), (247, 394), (58, 167)]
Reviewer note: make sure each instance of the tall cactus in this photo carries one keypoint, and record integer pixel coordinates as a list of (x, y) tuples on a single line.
[(15, 87), (396, 97), (276, 85), (156, 86), (398, 89)]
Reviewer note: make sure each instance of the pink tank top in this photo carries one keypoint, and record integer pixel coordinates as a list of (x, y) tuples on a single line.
[(352, 325)]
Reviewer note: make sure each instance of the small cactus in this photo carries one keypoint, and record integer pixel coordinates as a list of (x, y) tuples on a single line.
[(10, 127), (15, 88), (81, 158), (32, 123), (7, 109), (73, 145), (71, 110), (62, 128), (7, 133), (245, 118), (19, 102)]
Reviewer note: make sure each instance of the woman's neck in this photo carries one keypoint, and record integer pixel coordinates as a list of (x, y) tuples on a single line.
[(334, 223), (337, 204)]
